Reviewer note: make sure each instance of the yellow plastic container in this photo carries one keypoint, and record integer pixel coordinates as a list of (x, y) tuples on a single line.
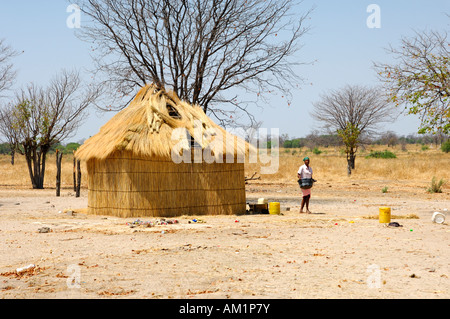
[(385, 215), (274, 208)]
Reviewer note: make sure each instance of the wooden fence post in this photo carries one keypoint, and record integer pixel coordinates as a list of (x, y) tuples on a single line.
[(78, 179), (58, 172), (74, 173)]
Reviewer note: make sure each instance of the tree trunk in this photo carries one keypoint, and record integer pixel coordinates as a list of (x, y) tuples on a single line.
[(351, 156), (13, 154), (42, 159), (36, 167), (352, 160), (28, 158)]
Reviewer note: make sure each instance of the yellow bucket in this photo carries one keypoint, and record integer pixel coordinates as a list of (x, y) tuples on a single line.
[(385, 215), (274, 208)]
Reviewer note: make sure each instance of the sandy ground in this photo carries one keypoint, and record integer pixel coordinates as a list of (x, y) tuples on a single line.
[(336, 252)]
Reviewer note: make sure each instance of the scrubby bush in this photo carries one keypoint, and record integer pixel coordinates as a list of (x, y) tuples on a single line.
[(436, 187), (379, 154), (71, 147), (5, 148), (316, 151), (68, 149), (446, 146)]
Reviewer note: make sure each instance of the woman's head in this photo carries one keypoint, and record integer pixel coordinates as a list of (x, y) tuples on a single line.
[(306, 160)]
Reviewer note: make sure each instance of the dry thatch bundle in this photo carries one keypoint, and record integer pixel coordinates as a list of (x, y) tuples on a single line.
[(146, 129), (134, 164)]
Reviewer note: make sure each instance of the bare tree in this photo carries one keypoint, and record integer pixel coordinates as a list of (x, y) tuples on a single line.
[(10, 135), (202, 49), (389, 138), (352, 112), (312, 140), (42, 116), (420, 79), (7, 77), (7, 73)]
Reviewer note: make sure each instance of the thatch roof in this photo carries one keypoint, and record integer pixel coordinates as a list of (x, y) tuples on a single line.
[(145, 128)]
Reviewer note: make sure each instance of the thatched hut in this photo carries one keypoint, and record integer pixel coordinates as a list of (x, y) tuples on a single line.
[(134, 166)]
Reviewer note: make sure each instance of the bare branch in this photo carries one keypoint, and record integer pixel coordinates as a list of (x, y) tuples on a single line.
[(202, 49), (419, 80), (361, 106), (352, 112), (7, 73), (42, 116)]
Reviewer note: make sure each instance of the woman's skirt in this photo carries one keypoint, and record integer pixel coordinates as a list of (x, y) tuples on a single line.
[(306, 191)]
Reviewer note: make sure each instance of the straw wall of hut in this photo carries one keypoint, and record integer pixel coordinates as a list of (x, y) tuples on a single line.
[(126, 186)]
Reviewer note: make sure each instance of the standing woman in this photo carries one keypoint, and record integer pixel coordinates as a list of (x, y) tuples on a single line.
[(305, 172)]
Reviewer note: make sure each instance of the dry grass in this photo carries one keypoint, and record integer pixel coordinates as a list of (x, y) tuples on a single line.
[(17, 175), (412, 165)]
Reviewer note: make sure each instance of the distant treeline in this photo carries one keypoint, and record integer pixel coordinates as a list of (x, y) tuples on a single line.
[(311, 141), (388, 138), (5, 148)]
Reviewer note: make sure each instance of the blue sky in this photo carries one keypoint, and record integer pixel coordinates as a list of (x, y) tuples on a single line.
[(339, 40)]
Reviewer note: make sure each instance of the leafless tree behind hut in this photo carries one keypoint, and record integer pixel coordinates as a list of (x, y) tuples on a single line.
[(202, 49)]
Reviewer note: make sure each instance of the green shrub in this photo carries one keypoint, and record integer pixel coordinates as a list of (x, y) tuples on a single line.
[(436, 187), (316, 151), (5, 148), (379, 154), (287, 144), (71, 147), (424, 148), (296, 143), (384, 189), (446, 146)]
